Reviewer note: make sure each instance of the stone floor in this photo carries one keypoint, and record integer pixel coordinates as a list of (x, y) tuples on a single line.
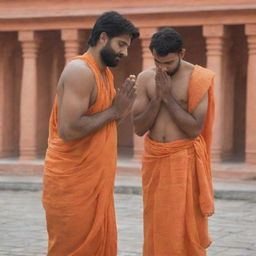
[(22, 226)]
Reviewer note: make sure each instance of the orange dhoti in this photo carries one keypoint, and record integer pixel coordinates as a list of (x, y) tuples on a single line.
[(178, 198), (79, 183)]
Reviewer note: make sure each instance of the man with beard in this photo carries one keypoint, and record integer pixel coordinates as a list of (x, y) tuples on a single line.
[(82, 146), (175, 105)]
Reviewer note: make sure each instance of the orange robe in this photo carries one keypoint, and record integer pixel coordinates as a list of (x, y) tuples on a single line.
[(177, 184), (79, 182)]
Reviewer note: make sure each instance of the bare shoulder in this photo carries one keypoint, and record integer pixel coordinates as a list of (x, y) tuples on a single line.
[(77, 75), (188, 67), (207, 73), (146, 75), (77, 69)]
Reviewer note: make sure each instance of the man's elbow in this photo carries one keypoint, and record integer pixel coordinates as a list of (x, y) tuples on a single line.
[(139, 132), (194, 133), (138, 128), (65, 135), (62, 134)]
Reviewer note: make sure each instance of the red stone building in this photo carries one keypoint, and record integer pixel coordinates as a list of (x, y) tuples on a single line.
[(38, 37)]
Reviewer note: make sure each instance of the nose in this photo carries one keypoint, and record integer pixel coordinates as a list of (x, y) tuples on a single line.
[(163, 67), (125, 52)]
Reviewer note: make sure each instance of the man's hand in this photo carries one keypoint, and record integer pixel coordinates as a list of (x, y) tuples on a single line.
[(158, 94), (125, 97), (163, 85)]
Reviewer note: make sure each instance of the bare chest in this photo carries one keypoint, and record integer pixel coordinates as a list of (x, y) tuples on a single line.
[(178, 89)]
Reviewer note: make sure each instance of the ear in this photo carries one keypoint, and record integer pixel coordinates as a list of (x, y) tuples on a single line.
[(103, 38), (182, 53)]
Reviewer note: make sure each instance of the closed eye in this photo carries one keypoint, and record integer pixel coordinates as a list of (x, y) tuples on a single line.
[(123, 44)]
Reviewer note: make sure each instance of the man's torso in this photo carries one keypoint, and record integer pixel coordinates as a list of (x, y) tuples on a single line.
[(164, 128)]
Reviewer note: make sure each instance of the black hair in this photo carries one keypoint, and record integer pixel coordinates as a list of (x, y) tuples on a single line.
[(166, 41), (114, 24)]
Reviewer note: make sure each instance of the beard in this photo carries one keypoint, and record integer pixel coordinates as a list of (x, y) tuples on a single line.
[(172, 73), (109, 56)]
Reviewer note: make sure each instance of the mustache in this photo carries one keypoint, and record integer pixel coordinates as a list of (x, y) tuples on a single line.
[(120, 55)]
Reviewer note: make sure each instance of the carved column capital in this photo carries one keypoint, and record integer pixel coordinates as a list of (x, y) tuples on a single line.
[(71, 38), (250, 31)]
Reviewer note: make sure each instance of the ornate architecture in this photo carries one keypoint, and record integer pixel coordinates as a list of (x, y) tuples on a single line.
[(38, 37)]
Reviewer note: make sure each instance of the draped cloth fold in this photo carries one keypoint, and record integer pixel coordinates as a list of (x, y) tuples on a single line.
[(79, 181), (177, 184)]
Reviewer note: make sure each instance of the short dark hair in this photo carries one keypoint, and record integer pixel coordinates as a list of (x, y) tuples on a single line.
[(166, 41), (114, 24)]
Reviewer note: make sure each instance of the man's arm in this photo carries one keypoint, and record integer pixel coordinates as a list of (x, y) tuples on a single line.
[(190, 124), (78, 82), (144, 110)]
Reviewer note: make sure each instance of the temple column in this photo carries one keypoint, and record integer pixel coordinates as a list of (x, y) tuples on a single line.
[(28, 103), (4, 55), (228, 94), (250, 142), (214, 35), (71, 38)]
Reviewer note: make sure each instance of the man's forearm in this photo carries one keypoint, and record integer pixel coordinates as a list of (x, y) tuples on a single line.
[(88, 124), (144, 121), (184, 120)]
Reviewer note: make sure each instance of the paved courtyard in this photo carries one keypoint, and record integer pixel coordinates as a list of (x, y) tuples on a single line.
[(22, 226)]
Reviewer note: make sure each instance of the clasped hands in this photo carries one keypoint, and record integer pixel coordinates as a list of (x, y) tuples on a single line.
[(163, 86)]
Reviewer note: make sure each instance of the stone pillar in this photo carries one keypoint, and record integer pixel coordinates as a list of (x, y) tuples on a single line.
[(214, 35), (83, 40), (28, 110), (145, 37), (71, 38), (228, 94), (7, 135), (147, 61), (250, 143), (2, 98)]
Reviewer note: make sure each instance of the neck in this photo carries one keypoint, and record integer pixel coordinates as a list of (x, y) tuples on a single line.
[(178, 71), (96, 54)]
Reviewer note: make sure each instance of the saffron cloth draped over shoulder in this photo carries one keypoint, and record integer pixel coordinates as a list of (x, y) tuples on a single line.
[(79, 181), (177, 184)]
